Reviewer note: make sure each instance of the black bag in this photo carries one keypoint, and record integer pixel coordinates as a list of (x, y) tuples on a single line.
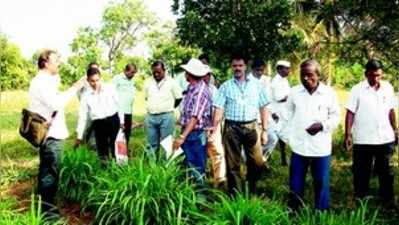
[(33, 127)]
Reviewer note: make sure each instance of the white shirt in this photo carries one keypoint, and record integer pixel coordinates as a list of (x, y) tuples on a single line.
[(280, 88), (97, 105), (161, 96), (44, 99), (371, 124), (305, 109)]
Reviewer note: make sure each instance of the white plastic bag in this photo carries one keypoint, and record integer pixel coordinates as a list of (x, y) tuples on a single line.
[(121, 148)]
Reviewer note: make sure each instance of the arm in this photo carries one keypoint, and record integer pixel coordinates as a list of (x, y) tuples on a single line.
[(392, 120), (83, 117), (349, 118)]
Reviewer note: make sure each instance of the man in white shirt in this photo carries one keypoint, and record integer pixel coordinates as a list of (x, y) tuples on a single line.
[(47, 101), (88, 133), (314, 110), (162, 95), (370, 121), (100, 106), (265, 81), (124, 85), (280, 89)]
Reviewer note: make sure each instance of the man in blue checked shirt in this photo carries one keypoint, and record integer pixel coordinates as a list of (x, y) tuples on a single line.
[(240, 100)]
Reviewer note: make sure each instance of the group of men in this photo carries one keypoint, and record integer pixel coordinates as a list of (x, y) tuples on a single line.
[(241, 121)]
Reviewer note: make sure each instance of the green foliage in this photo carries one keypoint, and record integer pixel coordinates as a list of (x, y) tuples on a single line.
[(244, 210), (360, 216), (253, 28), (85, 50), (122, 24), (9, 215), (347, 76), (174, 54), (15, 71), (78, 170)]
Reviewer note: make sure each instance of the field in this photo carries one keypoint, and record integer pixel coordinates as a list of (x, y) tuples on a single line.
[(154, 192)]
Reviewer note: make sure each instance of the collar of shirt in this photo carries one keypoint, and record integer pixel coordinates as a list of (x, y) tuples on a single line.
[(102, 88), (321, 89)]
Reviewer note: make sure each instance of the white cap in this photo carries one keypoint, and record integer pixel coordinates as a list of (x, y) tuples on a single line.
[(283, 63), (196, 68)]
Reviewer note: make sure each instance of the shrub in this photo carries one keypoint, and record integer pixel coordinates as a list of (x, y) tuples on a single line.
[(244, 210), (143, 192), (77, 173)]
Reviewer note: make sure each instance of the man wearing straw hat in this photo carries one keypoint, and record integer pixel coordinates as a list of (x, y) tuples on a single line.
[(196, 116)]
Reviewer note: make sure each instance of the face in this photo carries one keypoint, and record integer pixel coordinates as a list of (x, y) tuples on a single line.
[(204, 61), (258, 71), (239, 67), (309, 76), (158, 72), (53, 63), (284, 71), (130, 74), (207, 78), (374, 76), (94, 81)]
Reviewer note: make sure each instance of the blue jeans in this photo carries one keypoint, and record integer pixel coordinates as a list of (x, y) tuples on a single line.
[(194, 148), (158, 127), (320, 168)]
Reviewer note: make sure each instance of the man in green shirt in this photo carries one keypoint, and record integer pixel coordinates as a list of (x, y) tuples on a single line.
[(124, 85)]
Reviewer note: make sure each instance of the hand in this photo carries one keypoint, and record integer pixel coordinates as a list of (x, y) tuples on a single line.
[(79, 84), (314, 128), (275, 117), (210, 131), (263, 137), (348, 142), (178, 142), (77, 143)]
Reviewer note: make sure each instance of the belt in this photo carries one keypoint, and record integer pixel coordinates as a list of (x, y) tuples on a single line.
[(240, 122), (156, 114)]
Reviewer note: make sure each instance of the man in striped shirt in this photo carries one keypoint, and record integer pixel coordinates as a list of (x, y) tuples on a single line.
[(196, 116), (241, 100)]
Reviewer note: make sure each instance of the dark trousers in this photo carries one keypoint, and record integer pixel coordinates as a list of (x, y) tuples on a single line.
[(128, 127), (238, 136), (49, 169), (106, 131), (363, 158), (320, 169)]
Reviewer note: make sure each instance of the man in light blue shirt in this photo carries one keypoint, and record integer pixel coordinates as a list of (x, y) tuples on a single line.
[(124, 85), (241, 100)]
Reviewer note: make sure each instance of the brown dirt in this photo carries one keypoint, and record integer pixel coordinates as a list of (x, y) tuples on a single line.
[(22, 190), (72, 211)]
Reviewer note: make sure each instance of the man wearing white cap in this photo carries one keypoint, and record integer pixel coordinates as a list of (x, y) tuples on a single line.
[(280, 89), (196, 116)]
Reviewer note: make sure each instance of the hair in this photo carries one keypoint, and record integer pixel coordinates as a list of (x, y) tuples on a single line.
[(92, 71), (238, 56), (44, 58), (130, 67), (257, 63), (374, 64), (92, 64), (204, 56), (312, 62), (158, 63)]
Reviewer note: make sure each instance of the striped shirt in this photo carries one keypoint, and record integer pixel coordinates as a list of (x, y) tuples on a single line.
[(241, 101), (197, 103)]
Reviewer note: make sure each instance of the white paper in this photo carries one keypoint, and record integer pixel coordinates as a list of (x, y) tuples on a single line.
[(167, 145)]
